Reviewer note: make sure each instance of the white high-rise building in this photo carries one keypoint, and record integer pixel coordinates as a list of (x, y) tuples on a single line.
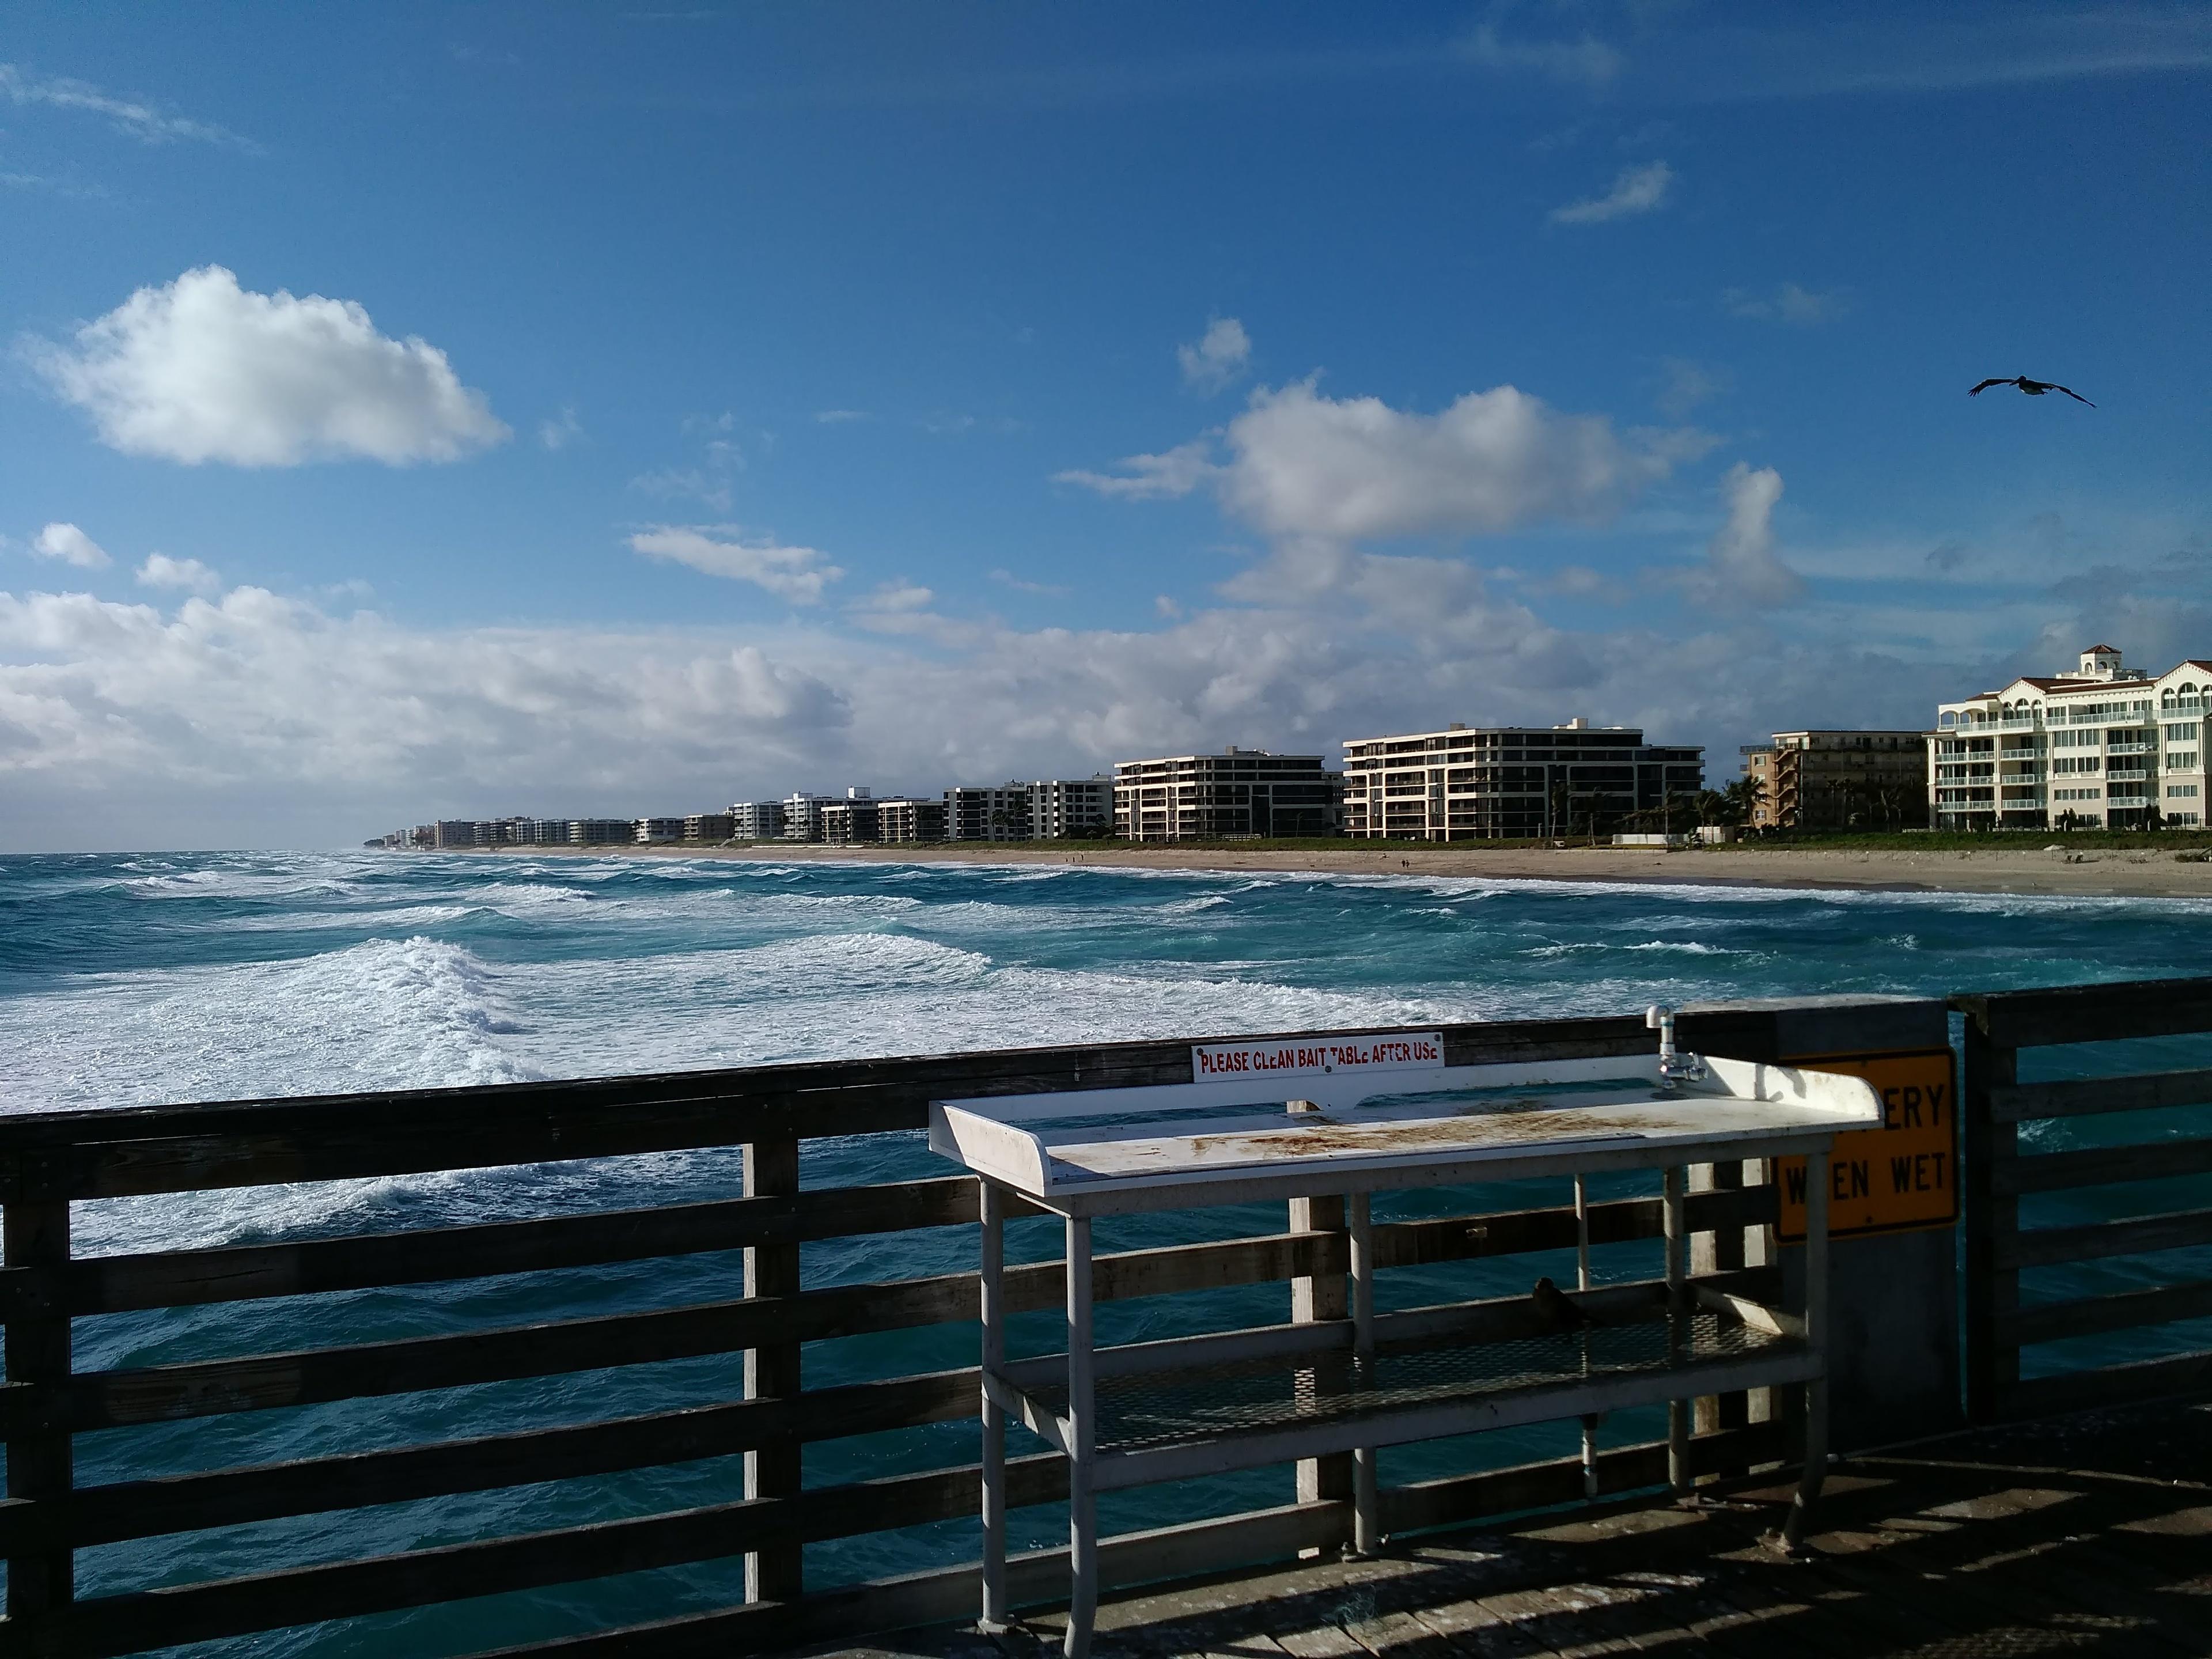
[(2102, 746), (757, 820), (1064, 807)]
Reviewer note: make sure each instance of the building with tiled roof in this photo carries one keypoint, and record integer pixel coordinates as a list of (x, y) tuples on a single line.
[(2105, 746)]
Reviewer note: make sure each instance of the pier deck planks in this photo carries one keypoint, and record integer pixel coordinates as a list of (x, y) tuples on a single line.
[(1975, 1544)]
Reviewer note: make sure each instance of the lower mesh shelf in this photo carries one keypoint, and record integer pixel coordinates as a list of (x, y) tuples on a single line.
[(1207, 1402)]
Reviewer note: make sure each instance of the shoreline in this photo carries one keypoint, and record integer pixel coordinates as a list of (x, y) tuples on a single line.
[(2014, 871)]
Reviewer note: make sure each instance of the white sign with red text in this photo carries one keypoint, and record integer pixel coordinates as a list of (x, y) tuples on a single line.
[(1356, 1055)]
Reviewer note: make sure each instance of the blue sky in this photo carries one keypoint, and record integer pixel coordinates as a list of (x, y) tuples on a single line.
[(451, 410)]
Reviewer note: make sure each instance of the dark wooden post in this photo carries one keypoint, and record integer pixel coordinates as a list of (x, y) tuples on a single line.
[(1992, 1223), (1721, 1251), (35, 1234), (772, 1373), (1318, 1297)]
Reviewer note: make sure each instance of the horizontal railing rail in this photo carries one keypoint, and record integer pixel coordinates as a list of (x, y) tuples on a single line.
[(53, 1299), (1998, 1175)]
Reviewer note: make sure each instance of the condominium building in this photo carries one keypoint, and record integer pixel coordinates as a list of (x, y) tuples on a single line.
[(2103, 746), (850, 821), (1064, 807), (756, 820), (709, 826), (905, 818), (654, 831), (1468, 783), (1237, 792), (1839, 781), (601, 832), (997, 812), (517, 831), (802, 815)]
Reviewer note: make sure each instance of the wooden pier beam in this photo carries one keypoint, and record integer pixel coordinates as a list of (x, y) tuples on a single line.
[(42, 1573), (773, 1372)]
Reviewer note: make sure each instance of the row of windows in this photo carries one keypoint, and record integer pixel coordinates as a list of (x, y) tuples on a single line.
[(2181, 792)]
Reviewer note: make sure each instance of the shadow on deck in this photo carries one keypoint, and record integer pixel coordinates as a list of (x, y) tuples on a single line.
[(2081, 1535)]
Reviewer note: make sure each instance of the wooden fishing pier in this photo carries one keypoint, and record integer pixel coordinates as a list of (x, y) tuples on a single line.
[(2082, 1534), (2086, 1536)]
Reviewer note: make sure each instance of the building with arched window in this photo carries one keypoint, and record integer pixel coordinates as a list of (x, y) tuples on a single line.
[(2103, 746)]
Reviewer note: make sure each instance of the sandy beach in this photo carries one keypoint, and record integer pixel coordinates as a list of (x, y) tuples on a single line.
[(2021, 868)]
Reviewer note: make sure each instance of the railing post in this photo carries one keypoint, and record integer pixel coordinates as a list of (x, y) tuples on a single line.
[(35, 1235), (1718, 1252), (773, 1373), (1319, 1297), (1992, 1224)]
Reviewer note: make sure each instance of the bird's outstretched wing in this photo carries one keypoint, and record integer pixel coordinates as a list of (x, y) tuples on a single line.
[(2071, 393), (1975, 391)]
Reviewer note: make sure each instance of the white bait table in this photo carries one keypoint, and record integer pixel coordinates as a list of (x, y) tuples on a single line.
[(1379, 1113)]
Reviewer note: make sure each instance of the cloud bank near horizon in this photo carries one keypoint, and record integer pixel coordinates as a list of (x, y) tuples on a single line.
[(309, 708)]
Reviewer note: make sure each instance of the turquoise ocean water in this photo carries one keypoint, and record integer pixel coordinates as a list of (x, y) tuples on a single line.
[(144, 979)]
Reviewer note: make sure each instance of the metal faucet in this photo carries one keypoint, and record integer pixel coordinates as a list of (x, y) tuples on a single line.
[(1674, 1068)]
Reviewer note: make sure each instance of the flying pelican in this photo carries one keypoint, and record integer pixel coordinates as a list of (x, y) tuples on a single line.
[(2033, 388)]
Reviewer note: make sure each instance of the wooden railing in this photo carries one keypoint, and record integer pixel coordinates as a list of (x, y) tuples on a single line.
[(47, 1403), (1998, 1175)]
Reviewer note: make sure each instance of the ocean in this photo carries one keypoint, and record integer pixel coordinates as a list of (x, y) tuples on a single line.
[(141, 979)]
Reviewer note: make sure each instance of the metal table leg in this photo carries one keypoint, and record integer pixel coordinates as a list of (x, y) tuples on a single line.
[(1366, 1504), (1082, 1434), (993, 1308), (1816, 1337)]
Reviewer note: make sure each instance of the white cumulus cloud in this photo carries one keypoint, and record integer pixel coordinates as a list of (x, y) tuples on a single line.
[(159, 570), (1303, 465), (1147, 477), (797, 574), (1217, 357), (1741, 569), (201, 369), (70, 545), (1638, 190)]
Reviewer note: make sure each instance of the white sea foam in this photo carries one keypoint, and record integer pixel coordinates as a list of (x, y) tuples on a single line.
[(565, 968), (525, 894), (850, 903), (385, 1014)]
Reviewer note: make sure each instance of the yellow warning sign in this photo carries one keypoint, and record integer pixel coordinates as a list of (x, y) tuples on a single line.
[(1903, 1174)]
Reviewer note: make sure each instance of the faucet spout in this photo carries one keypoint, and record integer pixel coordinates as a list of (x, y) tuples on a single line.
[(1675, 1069)]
